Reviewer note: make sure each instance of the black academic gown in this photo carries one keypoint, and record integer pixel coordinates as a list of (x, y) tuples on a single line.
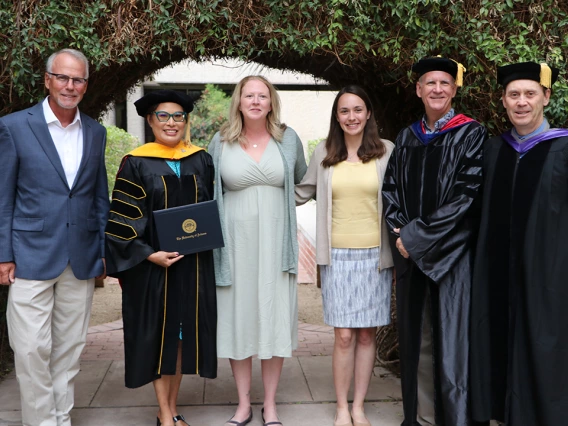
[(429, 192), (519, 337), (157, 301)]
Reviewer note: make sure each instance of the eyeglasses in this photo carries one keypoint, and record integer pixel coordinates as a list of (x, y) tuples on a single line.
[(164, 116), (64, 79)]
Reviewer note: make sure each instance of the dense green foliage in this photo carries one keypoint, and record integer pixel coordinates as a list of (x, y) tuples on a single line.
[(373, 43), (209, 113), (312, 146), (119, 143)]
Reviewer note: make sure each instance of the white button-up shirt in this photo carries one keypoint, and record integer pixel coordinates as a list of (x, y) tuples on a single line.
[(68, 141)]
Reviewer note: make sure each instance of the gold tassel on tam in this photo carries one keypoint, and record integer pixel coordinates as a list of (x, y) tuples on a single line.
[(545, 75), (459, 75), (187, 133)]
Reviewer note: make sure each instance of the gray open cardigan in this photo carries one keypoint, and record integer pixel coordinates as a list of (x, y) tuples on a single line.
[(292, 152), (317, 184)]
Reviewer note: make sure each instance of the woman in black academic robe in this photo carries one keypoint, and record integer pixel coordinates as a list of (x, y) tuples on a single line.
[(169, 302)]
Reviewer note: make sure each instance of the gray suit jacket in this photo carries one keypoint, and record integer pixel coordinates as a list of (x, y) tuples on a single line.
[(44, 224)]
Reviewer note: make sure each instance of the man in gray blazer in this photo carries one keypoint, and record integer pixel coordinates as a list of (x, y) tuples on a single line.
[(53, 210)]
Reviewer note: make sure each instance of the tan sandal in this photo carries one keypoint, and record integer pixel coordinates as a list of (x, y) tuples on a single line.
[(356, 423), (341, 424)]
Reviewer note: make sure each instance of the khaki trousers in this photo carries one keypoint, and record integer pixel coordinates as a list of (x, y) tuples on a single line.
[(47, 326)]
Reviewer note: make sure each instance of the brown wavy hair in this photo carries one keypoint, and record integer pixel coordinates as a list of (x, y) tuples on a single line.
[(372, 146)]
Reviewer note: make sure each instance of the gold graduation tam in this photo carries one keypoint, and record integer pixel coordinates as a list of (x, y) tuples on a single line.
[(540, 73), (455, 69), (149, 100)]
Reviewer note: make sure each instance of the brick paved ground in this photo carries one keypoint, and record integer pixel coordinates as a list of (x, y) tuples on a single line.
[(314, 340), (105, 342)]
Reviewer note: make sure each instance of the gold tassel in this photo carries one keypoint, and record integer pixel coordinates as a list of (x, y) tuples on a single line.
[(545, 75), (187, 133), (459, 75)]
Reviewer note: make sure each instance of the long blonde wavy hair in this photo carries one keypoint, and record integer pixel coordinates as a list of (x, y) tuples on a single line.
[(232, 130)]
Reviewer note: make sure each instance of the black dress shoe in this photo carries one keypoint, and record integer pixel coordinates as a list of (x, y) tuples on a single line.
[(269, 423), (158, 423), (243, 423), (180, 418)]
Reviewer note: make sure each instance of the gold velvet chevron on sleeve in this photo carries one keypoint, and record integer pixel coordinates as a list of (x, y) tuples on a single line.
[(129, 188), (120, 230), (125, 188), (122, 208)]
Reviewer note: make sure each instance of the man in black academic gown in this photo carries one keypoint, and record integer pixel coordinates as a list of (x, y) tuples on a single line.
[(431, 183), (519, 340)]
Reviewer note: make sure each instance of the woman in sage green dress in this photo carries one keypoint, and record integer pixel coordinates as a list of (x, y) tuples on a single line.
[(257, 162)]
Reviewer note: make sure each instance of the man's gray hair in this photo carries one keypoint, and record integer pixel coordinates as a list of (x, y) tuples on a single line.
[(75, 53)]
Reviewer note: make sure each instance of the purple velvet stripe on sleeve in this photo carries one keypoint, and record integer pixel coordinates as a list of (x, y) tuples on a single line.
[(525, 146)]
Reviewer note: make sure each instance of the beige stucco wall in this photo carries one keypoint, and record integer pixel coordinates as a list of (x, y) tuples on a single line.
[(307, 112)]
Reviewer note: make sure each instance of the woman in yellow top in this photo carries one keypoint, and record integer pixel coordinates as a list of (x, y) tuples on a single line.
[(345, 176)]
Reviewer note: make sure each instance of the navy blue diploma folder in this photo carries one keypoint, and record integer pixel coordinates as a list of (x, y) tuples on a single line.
[(189, 229)]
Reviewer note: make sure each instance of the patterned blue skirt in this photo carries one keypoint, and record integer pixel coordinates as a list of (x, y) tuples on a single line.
[(355, 293)]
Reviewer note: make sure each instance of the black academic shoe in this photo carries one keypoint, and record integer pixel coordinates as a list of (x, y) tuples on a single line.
[(180, 418), (243, 423), (269, 423)]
